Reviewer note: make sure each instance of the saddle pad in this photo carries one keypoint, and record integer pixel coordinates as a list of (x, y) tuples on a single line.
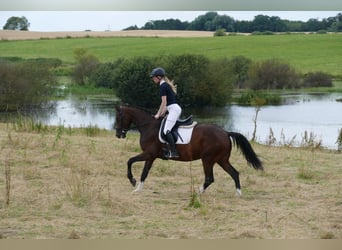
[(185, 133)]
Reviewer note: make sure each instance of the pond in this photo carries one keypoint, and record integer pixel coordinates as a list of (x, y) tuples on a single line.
[(317, 115)]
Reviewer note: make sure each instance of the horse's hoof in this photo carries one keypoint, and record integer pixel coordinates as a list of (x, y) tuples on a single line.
[(238, 192), (133, 182), (139, 187)]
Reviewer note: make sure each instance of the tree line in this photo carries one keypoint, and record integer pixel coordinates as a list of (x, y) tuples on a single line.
[(200, 81), (212, 21)]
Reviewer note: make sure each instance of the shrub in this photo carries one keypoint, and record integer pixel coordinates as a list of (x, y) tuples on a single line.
[(134, 84), (105, 74), (252, 97), (239, 66), (321, 32), (259, 33), (317, 79), (86, 65), (24, 84), (200, 82), (189, 73), (272, 74), (220, 32)]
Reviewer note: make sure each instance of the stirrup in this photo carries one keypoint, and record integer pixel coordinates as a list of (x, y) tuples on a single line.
[(173, 155)]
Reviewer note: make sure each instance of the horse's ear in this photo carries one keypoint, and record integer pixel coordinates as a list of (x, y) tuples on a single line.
[(117, 108)]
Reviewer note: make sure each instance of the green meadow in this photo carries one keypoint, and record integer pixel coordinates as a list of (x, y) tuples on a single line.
[(305, 52)]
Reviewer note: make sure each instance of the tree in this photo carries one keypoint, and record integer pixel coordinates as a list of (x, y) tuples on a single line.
[(336, 26), (239, 66), (203, 22), (17, 23), (313, 24), (200, 81), (86, 65), (272, 74), (222, 22), (134, 83), (169, 24), (24, 84)]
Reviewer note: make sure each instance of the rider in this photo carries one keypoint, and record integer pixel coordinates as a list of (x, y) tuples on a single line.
[(168, 103)]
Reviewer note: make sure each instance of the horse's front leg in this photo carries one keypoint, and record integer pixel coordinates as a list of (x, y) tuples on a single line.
[(148, 163), (129, 170), (144, 174)]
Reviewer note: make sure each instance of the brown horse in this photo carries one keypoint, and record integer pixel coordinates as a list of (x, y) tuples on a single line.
[(210, 143)]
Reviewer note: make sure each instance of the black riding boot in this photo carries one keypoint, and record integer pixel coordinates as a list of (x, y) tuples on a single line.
[(173, 152)]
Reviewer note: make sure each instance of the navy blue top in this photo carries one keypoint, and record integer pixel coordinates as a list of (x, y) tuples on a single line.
[(166, 90)]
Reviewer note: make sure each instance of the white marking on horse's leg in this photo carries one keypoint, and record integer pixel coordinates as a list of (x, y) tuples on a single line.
[(201, 190), (238, 192), (139, 187)]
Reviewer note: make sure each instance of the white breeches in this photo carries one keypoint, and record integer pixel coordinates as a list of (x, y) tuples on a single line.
[(174, 114)]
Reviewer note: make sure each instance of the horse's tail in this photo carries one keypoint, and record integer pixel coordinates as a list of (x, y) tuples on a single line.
[(243, 144)]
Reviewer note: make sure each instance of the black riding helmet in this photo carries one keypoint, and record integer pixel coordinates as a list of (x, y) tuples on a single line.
[(157, 72)]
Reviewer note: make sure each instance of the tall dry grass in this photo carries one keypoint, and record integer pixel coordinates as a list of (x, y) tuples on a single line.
[(76, 187)]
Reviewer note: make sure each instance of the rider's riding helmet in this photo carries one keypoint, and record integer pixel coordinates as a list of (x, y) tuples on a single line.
[(157, 72)]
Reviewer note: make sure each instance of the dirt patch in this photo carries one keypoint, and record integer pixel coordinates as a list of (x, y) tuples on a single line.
[(30, 35)]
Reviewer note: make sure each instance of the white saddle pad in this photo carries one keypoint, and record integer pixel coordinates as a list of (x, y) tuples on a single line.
[(185, 133)]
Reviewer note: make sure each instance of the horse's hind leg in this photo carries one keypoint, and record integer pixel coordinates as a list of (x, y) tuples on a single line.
[(209, 175), (233, 173)]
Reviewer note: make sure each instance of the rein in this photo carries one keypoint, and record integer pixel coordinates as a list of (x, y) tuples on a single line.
[(125, 130)]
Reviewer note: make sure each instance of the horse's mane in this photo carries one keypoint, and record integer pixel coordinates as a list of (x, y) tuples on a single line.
[(145, 110)]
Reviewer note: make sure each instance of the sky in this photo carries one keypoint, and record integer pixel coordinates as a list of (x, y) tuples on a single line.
[(118, 20)]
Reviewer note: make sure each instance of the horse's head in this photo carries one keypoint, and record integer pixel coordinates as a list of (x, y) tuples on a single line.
[(122, 122)]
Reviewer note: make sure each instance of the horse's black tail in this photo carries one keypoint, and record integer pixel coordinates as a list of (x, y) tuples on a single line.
[(243, 144)]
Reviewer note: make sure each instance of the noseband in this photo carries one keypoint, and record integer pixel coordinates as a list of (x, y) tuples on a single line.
[(119, 125), (121, 130)]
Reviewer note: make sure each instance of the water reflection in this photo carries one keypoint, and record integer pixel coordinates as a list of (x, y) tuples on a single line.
[(82, 112), (301, 115)]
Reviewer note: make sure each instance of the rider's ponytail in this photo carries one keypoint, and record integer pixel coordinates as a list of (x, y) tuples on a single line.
[(173, 86)]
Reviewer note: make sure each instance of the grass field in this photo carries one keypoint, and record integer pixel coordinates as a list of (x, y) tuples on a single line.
[(60, 183), (306, 52)]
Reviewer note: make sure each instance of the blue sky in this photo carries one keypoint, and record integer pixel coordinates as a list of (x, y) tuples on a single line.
[(118, 20)]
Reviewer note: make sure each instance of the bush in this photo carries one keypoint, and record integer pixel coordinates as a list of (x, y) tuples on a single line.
[(251, 98), (220, 32), (24, 84), (200, 82), (105, 74), (260, 33), (134, 84), (317, 79), (86, 65), (219, 82), (239, 66), (189, 73), (272, 74)]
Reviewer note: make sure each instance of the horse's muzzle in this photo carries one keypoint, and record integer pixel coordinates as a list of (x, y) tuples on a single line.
[(121, 133)]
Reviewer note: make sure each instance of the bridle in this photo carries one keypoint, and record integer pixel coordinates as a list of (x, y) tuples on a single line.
[(119, 129), (123, 131)]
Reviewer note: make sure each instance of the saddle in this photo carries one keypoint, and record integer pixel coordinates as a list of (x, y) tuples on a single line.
[(181, 132)]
